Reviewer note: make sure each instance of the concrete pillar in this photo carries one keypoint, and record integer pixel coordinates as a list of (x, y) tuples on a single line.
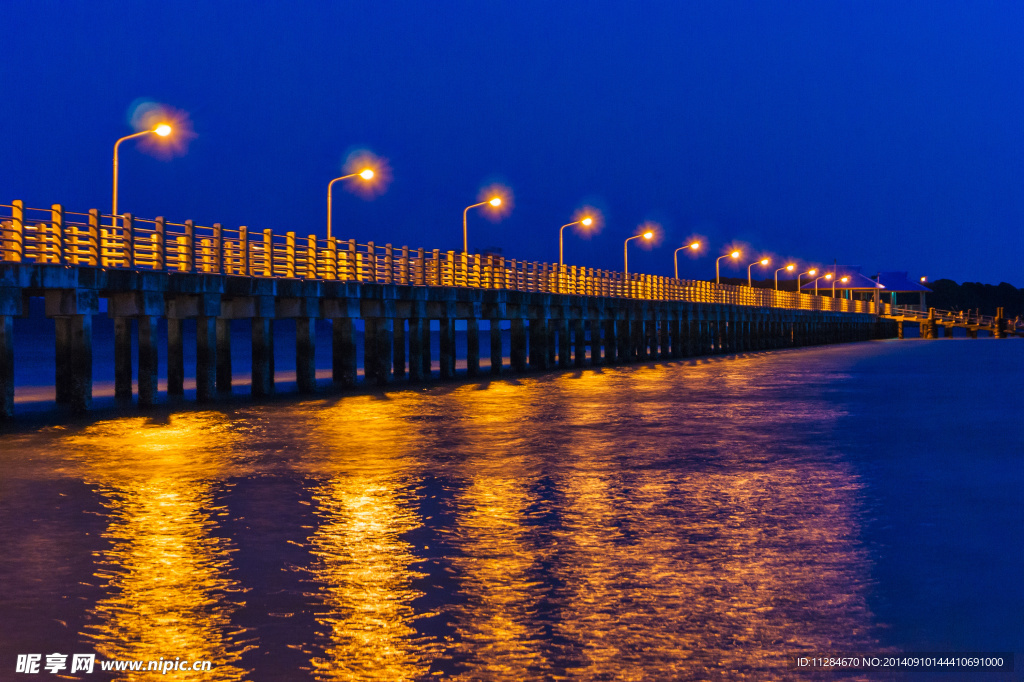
[(148, 357), (223, 355), (74, 353), (472, 347), (263, 356), (972, 332), (378, 341), (343, 352), (370, 362), (497, 356), (550, 341), (564, 345), (305, 354), (623, 339), (664, 335), (416, 349), (175, 359), (595, 323), (398, 349), (610, 341), (206, 358), (122, 360), (427, 366), (447, 348), (6, 366), (538, 344), (518, 349), (579, 343)]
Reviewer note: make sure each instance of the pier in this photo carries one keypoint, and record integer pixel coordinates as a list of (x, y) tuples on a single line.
[(558, 317)]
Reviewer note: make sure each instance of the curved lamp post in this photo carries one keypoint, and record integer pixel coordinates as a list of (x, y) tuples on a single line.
[(844, 280), (496, 201), (812, 272), (763, 261), (364, 174), (625, 250), (734, 254), (163, 130), (586, 222), (675, 256), (788, 268), (827, 275)]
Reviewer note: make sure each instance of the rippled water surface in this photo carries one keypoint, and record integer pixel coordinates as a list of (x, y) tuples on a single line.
[(691, 520)]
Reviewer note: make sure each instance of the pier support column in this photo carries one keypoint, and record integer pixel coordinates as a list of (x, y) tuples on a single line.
[(122, 360), (206, 358), (472, 347), (664, 349), (223, 355), (623, 339), (580, 343), (595, 323), (263, 356), (564, 344), (497, 356), (148, 359), (550, 341), (428, 367), (343, 352), (305, 354), (377, 349), (416, 349), (517, 351), (6, 366), (175, 358), (398, 349), (74, 357), (447, 348), (538, 344), (610, 342)]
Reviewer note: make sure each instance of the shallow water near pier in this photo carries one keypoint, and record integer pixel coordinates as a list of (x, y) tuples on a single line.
[(699, 519)]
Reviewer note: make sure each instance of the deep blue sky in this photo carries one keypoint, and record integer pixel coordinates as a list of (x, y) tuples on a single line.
[(886, 134)]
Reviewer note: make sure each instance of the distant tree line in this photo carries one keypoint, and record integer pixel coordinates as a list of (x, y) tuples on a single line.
[(948, 295), (945, 294)]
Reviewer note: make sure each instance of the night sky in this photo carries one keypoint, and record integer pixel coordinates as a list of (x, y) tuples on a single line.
[(881, 134)]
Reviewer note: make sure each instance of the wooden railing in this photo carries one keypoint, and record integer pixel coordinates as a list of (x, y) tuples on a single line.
[(93, 239)]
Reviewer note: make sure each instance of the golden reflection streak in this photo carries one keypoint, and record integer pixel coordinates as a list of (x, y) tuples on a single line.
[(166, 575), (499, 634), (721, 570), (364, 569)]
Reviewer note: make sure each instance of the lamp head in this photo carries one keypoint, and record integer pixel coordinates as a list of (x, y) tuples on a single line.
[(648, 234), (924, 279), (764, 261), (735, 254), (587, 222), (366, 174), (845, 280), (812, 273), (828, 276), (496, 201), (695, 245), (790, 268), (163, 130)]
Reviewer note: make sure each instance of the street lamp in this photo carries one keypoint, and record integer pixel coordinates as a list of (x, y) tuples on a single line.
[(586, 222), (734, 254), (788, 268), (496, 201), (366, 174), (812, 272), (625, 250), (675, 256), (827, 275), (844, 280), (763, 261), (163, 130)]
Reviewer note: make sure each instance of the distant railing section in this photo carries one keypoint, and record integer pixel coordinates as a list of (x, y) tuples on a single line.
[(56, 236), (955, 317)]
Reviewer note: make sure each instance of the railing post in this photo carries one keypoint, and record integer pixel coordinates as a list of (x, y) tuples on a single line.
[(311, 270), (243, 245), (190, 247), (13, 237), (371, 256), (421, 271), (403, 266), (289, 254), (353, 260), (128, 232), (94, 236), (389, 264), (331, 259), (57, 219), (218, 249), (161, 250), (268, 252)]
